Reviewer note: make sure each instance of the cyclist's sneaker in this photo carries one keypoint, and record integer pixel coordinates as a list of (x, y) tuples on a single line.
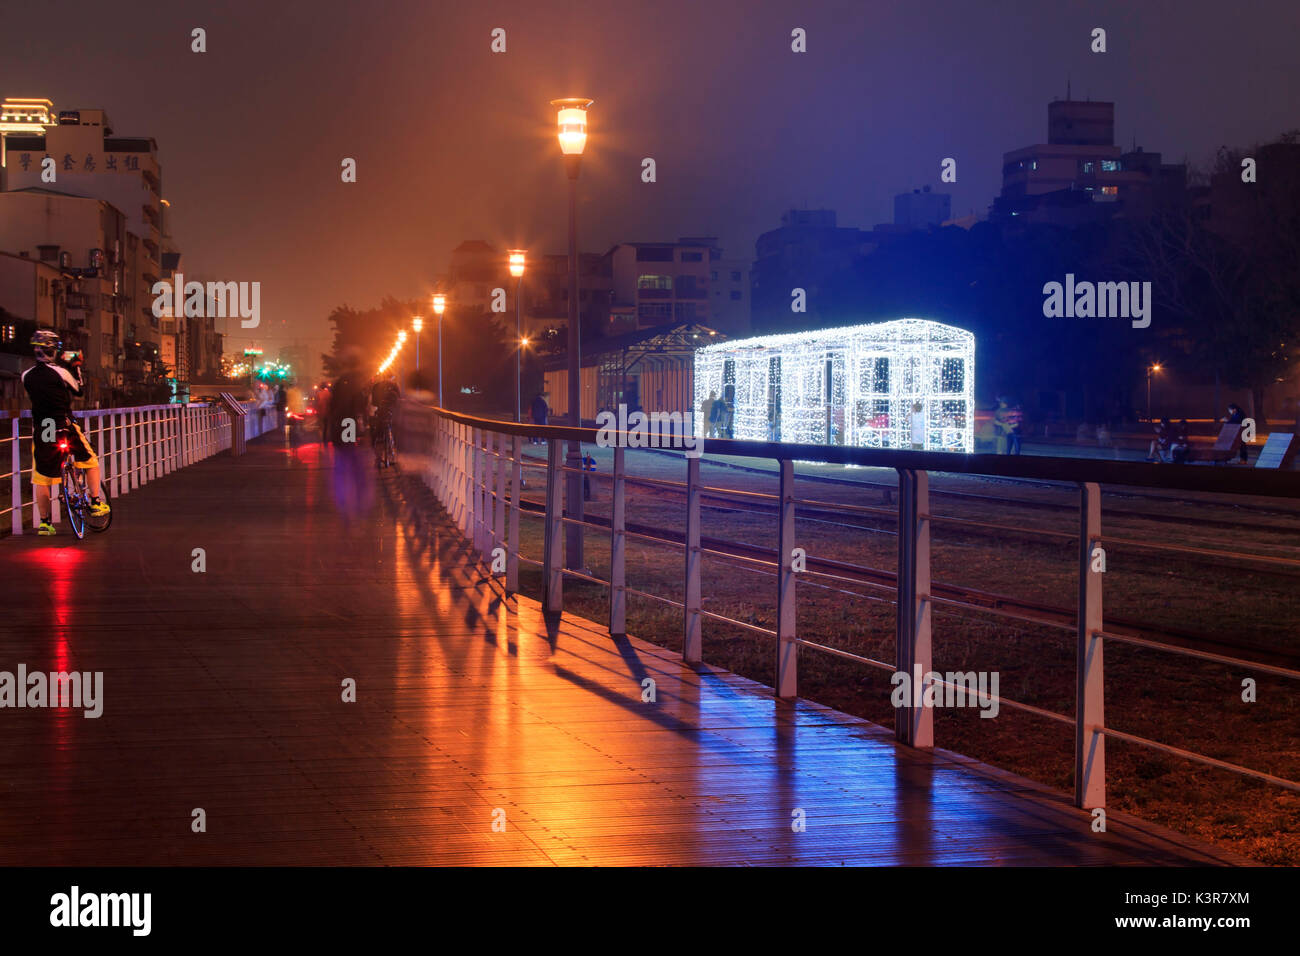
[(46, 529), (99, 509)]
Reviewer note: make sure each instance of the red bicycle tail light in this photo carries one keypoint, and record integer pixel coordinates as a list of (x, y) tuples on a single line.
[(63, 445)]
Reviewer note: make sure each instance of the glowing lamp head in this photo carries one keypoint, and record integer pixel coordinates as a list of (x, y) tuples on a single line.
[(401, 337), (524, 342), (439, 303), (417, 323), (571, 118), (516, 262)]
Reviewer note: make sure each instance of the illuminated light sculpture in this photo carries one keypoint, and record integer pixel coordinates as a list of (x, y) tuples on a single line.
[(849, 386)]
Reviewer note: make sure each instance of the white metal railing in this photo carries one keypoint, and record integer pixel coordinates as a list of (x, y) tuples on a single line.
[(134, 445), (474, 467)]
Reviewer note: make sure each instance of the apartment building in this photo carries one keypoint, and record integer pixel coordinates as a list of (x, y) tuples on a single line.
[(77, 241), (90, 161), (1080, 173)]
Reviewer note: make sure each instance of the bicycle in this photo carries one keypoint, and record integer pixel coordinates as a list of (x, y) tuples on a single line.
[(75, 496)]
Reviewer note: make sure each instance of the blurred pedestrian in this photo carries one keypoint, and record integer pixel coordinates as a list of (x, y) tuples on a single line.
[(540, 412), (349, 406), (323, 412)]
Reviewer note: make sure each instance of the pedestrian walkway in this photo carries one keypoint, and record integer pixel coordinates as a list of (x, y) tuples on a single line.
[(480, 734)]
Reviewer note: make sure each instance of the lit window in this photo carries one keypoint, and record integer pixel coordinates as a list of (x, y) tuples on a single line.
[(1110, 190), (1110, 166)]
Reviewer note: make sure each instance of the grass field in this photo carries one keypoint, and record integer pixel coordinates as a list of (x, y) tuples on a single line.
[(1190, 704)]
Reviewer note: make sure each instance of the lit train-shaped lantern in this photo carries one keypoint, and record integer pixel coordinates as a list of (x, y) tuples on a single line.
[(856, 385)]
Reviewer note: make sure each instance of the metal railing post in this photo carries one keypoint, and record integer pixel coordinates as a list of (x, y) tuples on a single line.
[(512, 547), (463, 481), (693, 635), (1089, 740), (787, 652), (457, 475), (476, 491), (914, 724), (146, 451), (618, 549), (16, 480), (112, 453), (552, 556), (466, 481), (499, 516), (134, 442)]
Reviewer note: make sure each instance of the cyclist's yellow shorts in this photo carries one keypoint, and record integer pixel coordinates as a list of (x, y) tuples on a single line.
[(47, 460)]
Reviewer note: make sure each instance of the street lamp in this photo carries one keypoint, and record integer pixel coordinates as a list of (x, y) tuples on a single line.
[(571, 119), (517, 257), (417, 323), (1155, 367), (439, 306)]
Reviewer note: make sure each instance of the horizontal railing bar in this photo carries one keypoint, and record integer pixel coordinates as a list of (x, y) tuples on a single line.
[(1202, 655), (1199, 758), (585, 577), (654, 597), (766, 632), (847, 655), (656, 539), (738, 557), (845, 507)]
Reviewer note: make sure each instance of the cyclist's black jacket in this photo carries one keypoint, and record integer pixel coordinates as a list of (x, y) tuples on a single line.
[(51, 388)]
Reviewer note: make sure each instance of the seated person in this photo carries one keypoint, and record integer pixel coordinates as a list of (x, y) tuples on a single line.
[(1159, 450), (1180, 446)]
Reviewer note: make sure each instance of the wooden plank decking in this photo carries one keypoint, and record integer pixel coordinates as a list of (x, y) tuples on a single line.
[(222, 691)]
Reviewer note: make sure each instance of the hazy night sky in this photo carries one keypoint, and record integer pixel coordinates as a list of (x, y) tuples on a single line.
[(454, 142)]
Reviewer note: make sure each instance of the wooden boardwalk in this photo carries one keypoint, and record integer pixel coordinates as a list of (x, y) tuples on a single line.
[(223, 691)]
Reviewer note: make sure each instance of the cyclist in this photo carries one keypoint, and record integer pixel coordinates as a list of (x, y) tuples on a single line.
[(51, 383), (384, 396)]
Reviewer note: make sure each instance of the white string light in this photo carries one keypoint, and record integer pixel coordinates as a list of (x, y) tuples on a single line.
[(877, 373)]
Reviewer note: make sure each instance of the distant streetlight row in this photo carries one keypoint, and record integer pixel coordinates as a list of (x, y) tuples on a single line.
[(571, 122)]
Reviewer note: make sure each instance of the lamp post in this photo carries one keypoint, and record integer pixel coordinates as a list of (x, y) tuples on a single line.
[(439, 306), (517, 270), (417, 323), (571, 118), (1150, 369)]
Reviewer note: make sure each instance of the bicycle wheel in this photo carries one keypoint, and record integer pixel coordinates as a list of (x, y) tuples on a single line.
[(72, 491)]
